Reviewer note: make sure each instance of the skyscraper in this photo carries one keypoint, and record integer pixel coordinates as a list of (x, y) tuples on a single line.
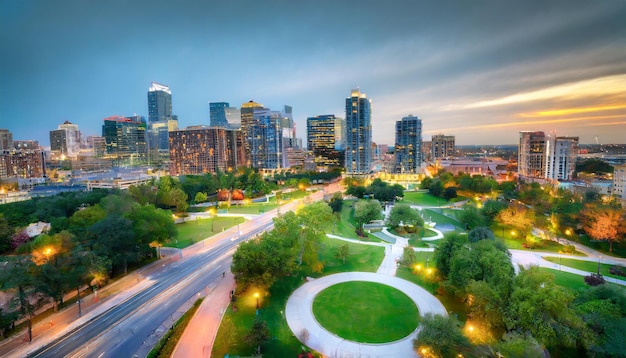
[(6, 139), (358, 133), (125, 137), (218, 114), (531, 154), (200, 149), (408, 147), (442, 146), (159, 102), (247, 120), (266, 139), (325, 140), (65, 140), (560, 157)]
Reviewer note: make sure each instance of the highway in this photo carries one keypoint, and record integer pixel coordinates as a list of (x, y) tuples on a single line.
[(121, 330)]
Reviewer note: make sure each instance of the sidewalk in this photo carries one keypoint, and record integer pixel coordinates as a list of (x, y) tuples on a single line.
[(199, 336)]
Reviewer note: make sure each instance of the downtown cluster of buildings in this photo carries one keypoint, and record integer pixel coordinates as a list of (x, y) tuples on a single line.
[(265, 139)]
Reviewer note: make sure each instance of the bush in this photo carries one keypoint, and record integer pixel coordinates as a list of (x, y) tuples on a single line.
[(569, 249), (594, 280), (617, 270)]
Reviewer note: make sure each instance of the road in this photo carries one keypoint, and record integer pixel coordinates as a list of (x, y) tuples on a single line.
[(123, 328)]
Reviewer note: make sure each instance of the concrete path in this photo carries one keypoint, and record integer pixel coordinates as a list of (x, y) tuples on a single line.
[(301, 321), (199, 336)]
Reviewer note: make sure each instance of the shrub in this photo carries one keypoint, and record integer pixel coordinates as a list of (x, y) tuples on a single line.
[(569, 249), (594, 280), (617, 270)]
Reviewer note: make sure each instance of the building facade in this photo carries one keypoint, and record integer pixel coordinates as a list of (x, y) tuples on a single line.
[(24, 163), (325, 141), (547, 157), (561, 157), (619, 181), (125, 138), (159, 102), (218, 114), (65, 140), (358, 152), (201, 149), (6, 139), (408, 148), (266, 139), (247, 120), (442, 146)]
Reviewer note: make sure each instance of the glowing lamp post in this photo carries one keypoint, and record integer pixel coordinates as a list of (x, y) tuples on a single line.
[(256, 295)]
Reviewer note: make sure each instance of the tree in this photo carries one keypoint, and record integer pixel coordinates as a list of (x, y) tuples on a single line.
[(200, 197), (405, 215), (259, 334), (426, 183), (114, 237), (336, 202), (408, 256), (436, 188), (541, 307), (342, 253), (6, 231), (19, 238), (143, 193), (366, 211), (519, 345), (480, 233), (441, 336), (491, 208), (517, 216), (603, 224), (449, 193), (470, 217), (446, 249)]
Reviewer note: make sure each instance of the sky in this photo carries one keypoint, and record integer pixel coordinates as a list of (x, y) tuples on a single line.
[(479, 70)]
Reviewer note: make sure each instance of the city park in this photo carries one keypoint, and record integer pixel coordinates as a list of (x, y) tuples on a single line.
[(434, 271)]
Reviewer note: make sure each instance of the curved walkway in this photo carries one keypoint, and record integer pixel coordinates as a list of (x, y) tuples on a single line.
[(299, 315)]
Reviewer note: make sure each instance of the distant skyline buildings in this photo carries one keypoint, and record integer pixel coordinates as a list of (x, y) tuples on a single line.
[(65, 140), (159, 102), (442, 146), (408, 146), (550, 157), (358, 133), (125, 137), (326, 140)]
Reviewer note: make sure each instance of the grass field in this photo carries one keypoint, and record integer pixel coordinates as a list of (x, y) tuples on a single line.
[(567, 279), (283, 343), (252, 208), (422, 198), (439, 218), (602, 246), (366, 312), (193, 231), (588, 266)]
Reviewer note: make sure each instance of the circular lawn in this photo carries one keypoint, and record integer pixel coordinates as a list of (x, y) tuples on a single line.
[(366, 312)]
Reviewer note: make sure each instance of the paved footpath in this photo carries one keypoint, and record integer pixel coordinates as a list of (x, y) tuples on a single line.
[(301, 321), (199, 336)]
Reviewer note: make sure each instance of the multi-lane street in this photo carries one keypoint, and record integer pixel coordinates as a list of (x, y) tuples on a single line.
[(122, 329)]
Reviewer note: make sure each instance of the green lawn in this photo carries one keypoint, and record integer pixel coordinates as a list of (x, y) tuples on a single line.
[(364, 258), (588, 266), (235, 325), (193, 231), (567, 279), (252, 208), (602, 246), (439, 218), (366, 312), (423, 198)]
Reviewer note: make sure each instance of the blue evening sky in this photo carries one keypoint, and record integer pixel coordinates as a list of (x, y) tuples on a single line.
[(479, 70)]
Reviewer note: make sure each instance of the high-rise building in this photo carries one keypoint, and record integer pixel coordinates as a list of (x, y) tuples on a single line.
[(159, 102), (325, 140), (266, 139), (358, 133), (65, 140), (546, 157), (23, 163), (561, 157), (531, 154), (442, 146), (619, 181), (247, 118), (201, 149), (218, 114), (408, 146), (125, 137), (6, 139), (427, 151), (97, 144)]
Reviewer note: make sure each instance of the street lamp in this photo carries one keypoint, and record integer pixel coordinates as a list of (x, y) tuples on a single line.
[(256, 295)]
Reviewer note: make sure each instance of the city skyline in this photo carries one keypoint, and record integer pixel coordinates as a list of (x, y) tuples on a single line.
[(480, 71)]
